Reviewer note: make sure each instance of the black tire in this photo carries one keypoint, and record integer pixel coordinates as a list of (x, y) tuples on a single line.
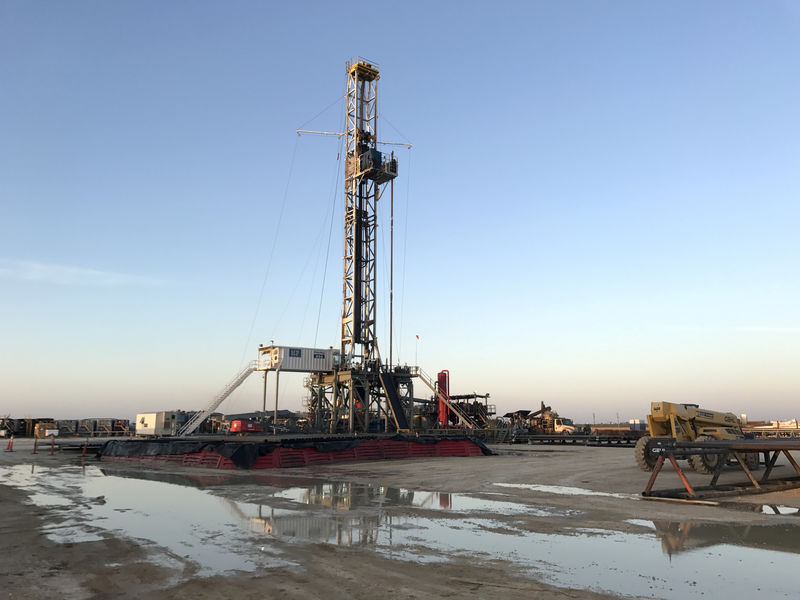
[(643, 458), (704, 463), (753, 461)]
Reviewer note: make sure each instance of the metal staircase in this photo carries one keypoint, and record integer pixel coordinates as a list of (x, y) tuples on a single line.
[(396, 405), (426, 379), (197, 420)]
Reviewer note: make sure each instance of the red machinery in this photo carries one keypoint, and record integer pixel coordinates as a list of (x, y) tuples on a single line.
[(240, 426), (444, 390)]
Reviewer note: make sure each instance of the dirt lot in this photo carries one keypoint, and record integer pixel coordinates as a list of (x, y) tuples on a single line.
[(508, 524)]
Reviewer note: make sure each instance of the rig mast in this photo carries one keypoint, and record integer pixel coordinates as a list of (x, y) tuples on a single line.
[(361, 392), (365, 169)]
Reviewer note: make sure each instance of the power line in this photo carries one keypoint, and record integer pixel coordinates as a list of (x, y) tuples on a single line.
[(271, 253)]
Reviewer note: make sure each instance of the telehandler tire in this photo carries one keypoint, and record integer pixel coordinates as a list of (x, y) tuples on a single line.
[(753, 461), (705, 463), (643, 459)]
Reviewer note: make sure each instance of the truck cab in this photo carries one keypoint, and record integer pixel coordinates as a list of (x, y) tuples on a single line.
[(563, 426)]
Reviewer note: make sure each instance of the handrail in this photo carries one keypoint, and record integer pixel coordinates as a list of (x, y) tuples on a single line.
[(427, 380), (198, 418)]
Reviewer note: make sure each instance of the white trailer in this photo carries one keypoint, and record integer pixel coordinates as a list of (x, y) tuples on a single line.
[(298, 359), (156, 424)]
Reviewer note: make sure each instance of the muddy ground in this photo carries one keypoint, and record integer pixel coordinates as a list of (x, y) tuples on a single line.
[(508, 525)]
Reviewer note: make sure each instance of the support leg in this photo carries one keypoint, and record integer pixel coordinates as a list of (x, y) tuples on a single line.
[(656, 470), (718, 469), (684, 481), (770, 462), (791, 459), (740, 459)]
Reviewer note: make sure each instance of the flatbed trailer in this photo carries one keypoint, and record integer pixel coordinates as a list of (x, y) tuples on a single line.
[(772, 432), (582, 439)]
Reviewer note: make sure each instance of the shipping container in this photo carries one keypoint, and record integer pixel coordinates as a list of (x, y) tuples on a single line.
[(121, 426), (17, 426), (67, 427), (104, 426), (7, 426), (301, 360), (86, 427)]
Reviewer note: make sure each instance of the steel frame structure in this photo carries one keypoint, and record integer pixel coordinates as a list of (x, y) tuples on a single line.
[(667, 449), (361, 195), (352, 398)]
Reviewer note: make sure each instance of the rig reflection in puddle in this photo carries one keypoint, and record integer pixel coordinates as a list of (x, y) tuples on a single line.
[(198, 517)]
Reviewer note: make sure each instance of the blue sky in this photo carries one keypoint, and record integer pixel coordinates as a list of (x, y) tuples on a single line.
[(600, 208)]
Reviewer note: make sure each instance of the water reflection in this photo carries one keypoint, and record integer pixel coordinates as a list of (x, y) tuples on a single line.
[(342, 495), (684, 537), (343, 531), (177, 517)]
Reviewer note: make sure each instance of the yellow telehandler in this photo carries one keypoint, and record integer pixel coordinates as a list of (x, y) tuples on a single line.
[(690, 423)]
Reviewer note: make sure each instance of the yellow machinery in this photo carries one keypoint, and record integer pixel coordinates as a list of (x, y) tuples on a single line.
[(690, 423), (45, 429)]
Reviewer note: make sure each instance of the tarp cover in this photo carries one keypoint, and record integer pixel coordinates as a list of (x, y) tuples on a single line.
[(244, 453)]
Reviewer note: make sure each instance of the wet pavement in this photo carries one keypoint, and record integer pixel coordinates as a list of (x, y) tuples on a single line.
[(195, 518)]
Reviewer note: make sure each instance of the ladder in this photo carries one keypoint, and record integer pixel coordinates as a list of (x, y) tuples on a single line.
[(197, 419)]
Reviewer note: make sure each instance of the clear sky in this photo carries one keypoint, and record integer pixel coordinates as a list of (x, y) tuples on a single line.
[(600, 208)]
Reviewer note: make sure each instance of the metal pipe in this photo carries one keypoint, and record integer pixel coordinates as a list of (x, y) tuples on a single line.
[(264, 401), (275, 417), (391, 266)]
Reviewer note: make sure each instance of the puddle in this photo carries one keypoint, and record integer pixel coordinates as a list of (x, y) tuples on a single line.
[(764, 509), (187, 522), (206, 526), (561, 490), (772, 509)]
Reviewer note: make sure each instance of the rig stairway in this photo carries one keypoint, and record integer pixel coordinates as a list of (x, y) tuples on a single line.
[(398, 411), (441, 395), (198, 418)]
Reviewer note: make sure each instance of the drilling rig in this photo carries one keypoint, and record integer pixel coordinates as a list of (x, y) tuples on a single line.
[(361, 394), (350, 389)]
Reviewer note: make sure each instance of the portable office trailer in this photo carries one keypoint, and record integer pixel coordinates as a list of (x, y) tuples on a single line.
[(160, 423), (300, 360)]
